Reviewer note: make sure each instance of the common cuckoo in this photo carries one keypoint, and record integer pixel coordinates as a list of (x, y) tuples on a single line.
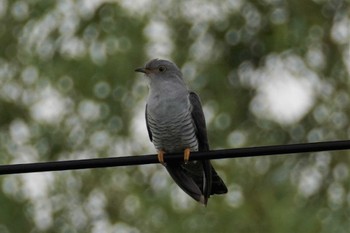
[(176, 123)]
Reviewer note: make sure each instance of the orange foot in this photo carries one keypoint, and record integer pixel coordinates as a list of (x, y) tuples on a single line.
[(161, 157), (187, 153)]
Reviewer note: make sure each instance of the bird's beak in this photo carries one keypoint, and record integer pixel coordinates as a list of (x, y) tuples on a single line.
[(141, 69)]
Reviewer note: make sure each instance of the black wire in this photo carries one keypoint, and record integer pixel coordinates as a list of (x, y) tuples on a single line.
[(149, 159)]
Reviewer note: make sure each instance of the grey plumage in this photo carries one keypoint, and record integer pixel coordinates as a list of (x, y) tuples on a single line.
[(175, 121)]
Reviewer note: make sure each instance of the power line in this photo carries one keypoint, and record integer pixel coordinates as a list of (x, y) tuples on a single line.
[(149, 159)]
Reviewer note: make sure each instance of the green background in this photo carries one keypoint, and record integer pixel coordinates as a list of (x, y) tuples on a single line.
[(268, 72)]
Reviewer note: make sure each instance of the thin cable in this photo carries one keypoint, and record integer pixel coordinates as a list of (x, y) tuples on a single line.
[(149, 159)]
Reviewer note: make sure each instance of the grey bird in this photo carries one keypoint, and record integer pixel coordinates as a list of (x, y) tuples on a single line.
[(176, 123)]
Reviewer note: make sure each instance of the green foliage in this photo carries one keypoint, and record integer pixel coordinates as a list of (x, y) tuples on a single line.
[(268, 72)]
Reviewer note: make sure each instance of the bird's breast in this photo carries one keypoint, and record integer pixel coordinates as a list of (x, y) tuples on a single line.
[(167, 104), (171, 124)]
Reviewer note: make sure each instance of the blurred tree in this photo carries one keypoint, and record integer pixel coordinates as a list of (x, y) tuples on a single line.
[(268, 72)]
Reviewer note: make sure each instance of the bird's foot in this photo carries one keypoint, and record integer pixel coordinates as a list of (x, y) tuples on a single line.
[(161, 157), (187, 153)]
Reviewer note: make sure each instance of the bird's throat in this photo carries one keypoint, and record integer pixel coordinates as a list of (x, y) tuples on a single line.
[(167, 103)]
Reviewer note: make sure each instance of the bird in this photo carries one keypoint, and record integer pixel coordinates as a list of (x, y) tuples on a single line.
[(176, 124)]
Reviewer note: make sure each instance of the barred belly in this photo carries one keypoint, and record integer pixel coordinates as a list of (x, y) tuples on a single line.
[(173, 134)]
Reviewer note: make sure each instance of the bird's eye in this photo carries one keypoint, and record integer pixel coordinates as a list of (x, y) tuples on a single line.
[(161, 68)]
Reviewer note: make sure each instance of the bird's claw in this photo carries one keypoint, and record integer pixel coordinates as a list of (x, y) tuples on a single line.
[(161, 157), (187, 153)]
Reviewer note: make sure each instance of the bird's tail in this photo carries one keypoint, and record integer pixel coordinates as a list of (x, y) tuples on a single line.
[(218, 185), (197, 178)]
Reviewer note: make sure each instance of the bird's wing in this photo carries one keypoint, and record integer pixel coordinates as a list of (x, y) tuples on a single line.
[(148, 129), (213, 184), (199, 121), (203, 145)]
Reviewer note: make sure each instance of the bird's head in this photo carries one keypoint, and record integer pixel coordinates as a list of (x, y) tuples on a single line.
[(160, 69)]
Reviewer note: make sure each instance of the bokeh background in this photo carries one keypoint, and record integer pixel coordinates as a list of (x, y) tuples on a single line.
[(268, 72)]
